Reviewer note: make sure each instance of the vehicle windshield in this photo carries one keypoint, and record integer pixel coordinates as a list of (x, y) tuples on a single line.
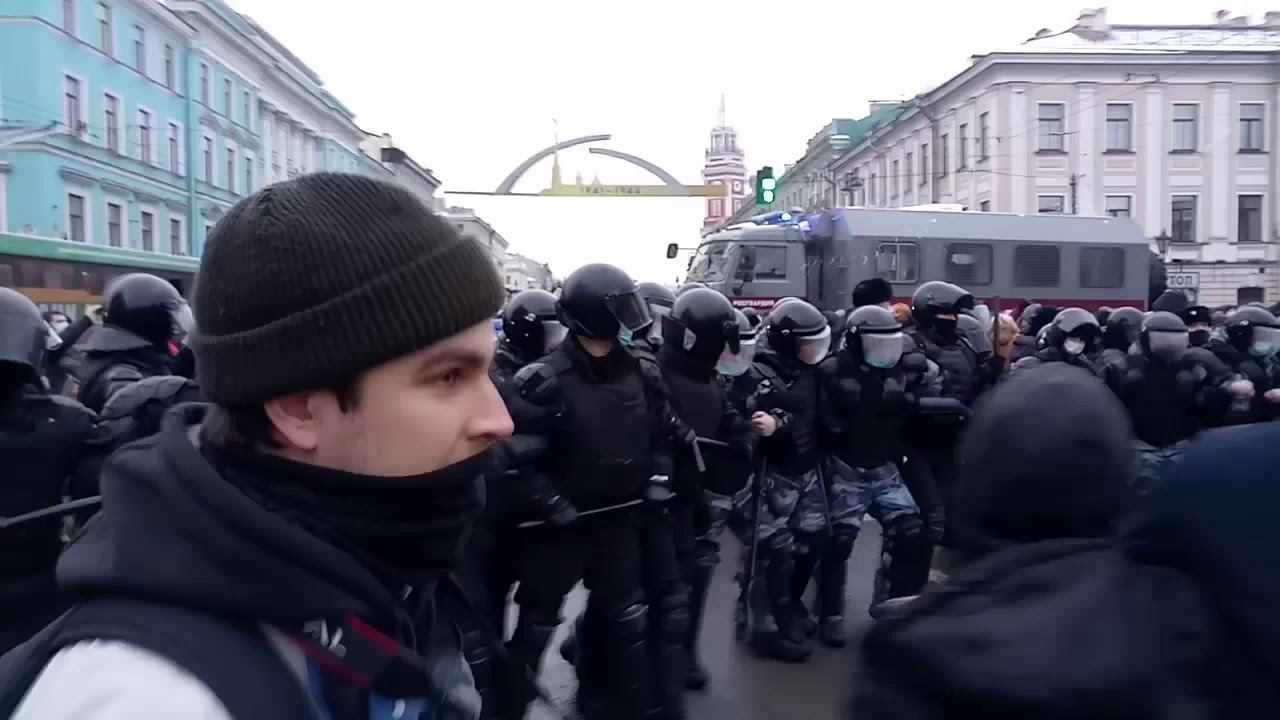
[(711, 262)]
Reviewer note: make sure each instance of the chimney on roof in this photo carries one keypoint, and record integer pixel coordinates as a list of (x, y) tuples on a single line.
[(1092, 25), (1239, 21), (1271, 19), (1220, 17)]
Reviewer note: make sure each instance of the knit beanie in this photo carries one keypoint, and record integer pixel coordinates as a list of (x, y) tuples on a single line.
[(309, 282)]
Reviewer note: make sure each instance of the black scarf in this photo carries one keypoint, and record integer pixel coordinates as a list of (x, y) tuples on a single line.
[(406, 530)]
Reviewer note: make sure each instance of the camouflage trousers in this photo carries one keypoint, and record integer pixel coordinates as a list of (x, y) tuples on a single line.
[(719, 514), (1153, 463), (792, 507), (855, 491)]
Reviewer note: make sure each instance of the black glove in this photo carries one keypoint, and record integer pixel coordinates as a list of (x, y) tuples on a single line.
[(558, 511), (658, 491)]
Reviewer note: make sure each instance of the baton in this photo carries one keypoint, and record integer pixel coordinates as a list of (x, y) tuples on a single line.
[(59, 509), (607, 508)]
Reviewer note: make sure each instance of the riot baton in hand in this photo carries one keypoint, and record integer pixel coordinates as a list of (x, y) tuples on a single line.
[(697, 451), (59, 509), (597, 511), (753, 559)]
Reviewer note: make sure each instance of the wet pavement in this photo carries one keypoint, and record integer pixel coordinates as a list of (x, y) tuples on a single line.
[(742, 686)]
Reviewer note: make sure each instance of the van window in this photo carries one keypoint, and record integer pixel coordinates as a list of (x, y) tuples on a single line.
[(1035, 266), (1101, 267), (771, 262), (968, 264), (898, 262)]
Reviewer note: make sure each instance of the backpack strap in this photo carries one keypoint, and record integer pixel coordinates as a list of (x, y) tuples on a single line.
[(234, 659)]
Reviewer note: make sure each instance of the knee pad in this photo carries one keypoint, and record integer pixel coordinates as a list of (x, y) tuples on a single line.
[(675, 614), (631, 621), (782, 541), (905, 528), (706, 553)]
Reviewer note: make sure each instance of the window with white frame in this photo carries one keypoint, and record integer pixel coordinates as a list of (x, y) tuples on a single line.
[(148, 225), (115, 221), (1119, 126), (895, 178), (170, 67), (140, 49), (204, 84), (1051, 204), (208, 159), (1186, 127), (984, 136), (248, 109), (1053, 126), (944, 153), (962, 147), (76, 223), (106, 34), (176, 244), (924, 163), (1249, 218), (111, 111), (226, 97), (231, 169), (248, 173), (175, 149), (908, 167), (71, 101), (1119, 206), (69, 17), (1182, 223), (1251, 127), (145, 128)]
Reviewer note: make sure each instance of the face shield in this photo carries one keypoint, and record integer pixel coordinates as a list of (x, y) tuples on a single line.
[(183, 323), (735, 364), (553, 333), (1265, 341), (52, 341), (657, 312), (882, 350), (812, 349), (1168, 346)]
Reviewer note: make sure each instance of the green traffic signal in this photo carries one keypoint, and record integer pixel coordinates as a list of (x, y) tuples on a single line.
[(766, 186)]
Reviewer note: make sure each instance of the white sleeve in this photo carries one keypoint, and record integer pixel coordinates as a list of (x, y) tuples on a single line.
[(112, 680)]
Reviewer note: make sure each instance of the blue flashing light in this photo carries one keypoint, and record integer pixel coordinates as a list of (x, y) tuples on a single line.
[(784, 217), (780, 217)]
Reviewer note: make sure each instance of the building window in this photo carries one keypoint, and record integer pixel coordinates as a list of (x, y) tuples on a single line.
[(170, 67), (175, 149), (871, 189), (226, 97), (962, 147), (898, 262), (1119, 206), (984, 206), (1035, 266), (984, 136), (1249, 218), (248, 109), (1251, 116), (69, 16), (231, 169), (1052, 204), (895, 178), (1186, 127), (1119, 126), (908, 167), (968, 264), (1183, 222), (114, 215), (75, 218), (144, 136), (148, 231), (248, 174), (71, 105), (208, 160), (1102, 267), (715, 207), (111, 105), (924, 163), (140, 49), (204, 84), (1246, 295), (944, 150), (175, 237), (1053, 128), (105, 32)]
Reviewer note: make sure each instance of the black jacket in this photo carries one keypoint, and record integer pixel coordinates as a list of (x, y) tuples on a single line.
[(114, 358)]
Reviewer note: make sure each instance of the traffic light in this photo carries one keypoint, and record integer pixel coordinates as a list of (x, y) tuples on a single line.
[(765, 186)]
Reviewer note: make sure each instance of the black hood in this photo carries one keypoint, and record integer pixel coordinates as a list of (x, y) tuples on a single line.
[(172, 529), (111, 339), (1048, 454)]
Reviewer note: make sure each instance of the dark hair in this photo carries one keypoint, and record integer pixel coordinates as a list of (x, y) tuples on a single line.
[(248, 425)]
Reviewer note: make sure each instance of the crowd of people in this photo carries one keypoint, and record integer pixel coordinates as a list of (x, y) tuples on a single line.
[(315, 491)]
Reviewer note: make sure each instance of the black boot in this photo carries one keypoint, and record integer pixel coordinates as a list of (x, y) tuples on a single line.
[(533, 634), (670, 659), (801, 575), (632, 674), (832, 580), (695, 675)]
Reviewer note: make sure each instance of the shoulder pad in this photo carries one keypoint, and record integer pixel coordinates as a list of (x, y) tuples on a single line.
[(650, 369), (914, 361), (536, 383), (166, 389)]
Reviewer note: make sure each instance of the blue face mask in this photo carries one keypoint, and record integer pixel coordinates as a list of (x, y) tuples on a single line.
[(624, 336)]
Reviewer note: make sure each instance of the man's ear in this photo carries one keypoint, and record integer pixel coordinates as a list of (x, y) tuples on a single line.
[(293, 419)]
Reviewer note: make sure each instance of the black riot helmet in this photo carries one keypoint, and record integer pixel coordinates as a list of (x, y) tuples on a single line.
[(1024, 320), (936, 298), (1074, 331), (1103, 315), (872, 291), (530, 323), (752, 317), (1164, 336), (659, 299), (977, 332), (1122, 329), (701, 326), (1253, 330), (874, 336), (599, 300), (147, 306), (689, 286), (799, 331), (735, 364), (24, 336)]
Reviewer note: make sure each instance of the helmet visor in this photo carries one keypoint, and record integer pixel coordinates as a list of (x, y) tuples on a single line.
[(183, 322), (882, 350), (553, 333), (53, 340), (629, 310), (812, 349), (1168, 345), (735, 364), (657, 312)]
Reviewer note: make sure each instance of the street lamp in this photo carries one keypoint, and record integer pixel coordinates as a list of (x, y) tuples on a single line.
[(1163, 240)]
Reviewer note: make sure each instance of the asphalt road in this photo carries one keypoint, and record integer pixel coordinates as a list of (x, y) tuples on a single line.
[(744, 687)]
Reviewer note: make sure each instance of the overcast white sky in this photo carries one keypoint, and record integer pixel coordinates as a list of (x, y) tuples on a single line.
[(469, 88)]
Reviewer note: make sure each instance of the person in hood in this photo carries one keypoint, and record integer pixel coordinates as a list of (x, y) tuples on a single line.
[(1070, 339), (1049, 618), (298, 534), (1033, 320), (144, 316), (530, 329)]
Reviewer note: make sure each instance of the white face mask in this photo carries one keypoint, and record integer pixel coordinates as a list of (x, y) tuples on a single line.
[(59, 325), (811, 350), (51, 339), (1073, 346), (736, 365)]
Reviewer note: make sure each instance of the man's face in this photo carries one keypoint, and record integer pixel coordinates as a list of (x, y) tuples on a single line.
[(411, 416)]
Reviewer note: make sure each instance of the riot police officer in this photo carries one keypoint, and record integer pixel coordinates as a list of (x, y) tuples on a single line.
[(609, 435), (50, 446), (702, 335), (1249, 345), (935, 306), (1070, 338), (659, 299), (143, 314), (865, 406), (530, 329), (789, 512)]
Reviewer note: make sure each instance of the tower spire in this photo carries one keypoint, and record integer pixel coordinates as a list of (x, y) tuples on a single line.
[(723, 122)]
